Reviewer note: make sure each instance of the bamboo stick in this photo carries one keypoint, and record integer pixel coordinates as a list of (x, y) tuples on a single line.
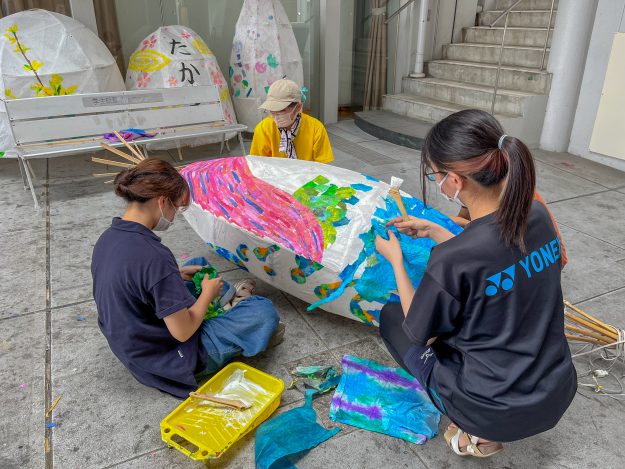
[(139, 150), (588, 316), (592, 326), (53, 406), (180, 153), (120, 153), (587, 333), (121, 139), (582, 339), (102, 175), (237, 404), (112, 163)]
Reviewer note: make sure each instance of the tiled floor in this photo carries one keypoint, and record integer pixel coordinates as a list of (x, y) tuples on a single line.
[(106, 419)]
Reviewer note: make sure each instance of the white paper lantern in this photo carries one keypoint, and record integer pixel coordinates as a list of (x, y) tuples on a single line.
[(264, 50), (175, 56), (45, 54)]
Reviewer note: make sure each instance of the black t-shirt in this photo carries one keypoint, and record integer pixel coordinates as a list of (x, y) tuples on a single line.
[(137, 283), (504, 369)]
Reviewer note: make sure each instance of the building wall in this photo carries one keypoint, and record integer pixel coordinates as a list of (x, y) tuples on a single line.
[(609, 19)]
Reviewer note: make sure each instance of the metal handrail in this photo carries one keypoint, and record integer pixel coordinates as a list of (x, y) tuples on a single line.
[(542, 62), (503, 40), (505, 13), (399, 10)]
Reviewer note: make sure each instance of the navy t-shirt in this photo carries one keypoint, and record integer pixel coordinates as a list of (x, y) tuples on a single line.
[(137, 283), (503, 369)]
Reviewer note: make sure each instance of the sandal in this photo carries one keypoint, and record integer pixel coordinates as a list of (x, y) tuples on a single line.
[(244, 289), (473, 448)]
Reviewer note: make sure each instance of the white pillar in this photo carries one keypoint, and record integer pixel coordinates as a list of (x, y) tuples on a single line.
[(330, 24), (423, 18), (569, 46)]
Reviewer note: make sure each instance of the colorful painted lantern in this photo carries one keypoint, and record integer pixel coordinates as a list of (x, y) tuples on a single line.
[(306, 228), (174, 56), (263, 51), (48, 54)]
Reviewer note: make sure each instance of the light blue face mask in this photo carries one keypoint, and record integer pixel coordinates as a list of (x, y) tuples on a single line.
[(281, 441)]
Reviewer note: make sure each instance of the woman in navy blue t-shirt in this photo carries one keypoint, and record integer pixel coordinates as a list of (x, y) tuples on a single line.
[(152, 322), (484, 331)]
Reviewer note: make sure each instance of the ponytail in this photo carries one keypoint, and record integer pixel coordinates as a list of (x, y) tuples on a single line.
[(472, 144), (518, 192)]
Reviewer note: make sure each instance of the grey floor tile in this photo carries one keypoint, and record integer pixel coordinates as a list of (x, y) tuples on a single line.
[(334, 131), (578, 166), (599, 215), (334, 330), (161, 457), (17, 210), (24, 272), (608, 307), (22, 371), (592, 267), (368, 349), (555, 184), (106, 416), (347, 161), (78, 345), (350, 127), (398, 152), (362, 449)]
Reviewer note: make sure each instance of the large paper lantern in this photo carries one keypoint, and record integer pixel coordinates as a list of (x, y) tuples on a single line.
[(175, 56), (264, 50), (47, 54), (306, 228)]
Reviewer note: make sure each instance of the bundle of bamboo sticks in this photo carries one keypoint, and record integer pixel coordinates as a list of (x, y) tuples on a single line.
[(135, 158), (583, 327)]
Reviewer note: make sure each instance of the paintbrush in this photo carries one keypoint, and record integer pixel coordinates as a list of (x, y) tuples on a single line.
[(237, 404), (394, 193)]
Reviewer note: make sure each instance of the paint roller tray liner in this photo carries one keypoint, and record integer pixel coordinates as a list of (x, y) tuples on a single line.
[(204, 431)]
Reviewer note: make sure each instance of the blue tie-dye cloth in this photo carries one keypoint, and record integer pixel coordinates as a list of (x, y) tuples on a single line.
[(384, 400)]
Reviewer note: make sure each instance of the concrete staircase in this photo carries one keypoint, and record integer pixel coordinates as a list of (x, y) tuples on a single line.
[(465, 77)]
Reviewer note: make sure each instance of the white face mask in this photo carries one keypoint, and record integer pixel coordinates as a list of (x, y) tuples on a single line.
[(163, 223), (285, 119), (445, 196)]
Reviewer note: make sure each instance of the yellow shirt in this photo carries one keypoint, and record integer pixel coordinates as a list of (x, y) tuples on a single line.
[(311, 141)]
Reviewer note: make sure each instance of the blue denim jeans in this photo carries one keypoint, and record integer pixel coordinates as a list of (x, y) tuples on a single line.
[(242, 330)]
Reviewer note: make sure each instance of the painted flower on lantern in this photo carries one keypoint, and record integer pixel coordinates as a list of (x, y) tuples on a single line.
[(185, 34), (143, 80), (216, 76), (148, 43), (173, 81)]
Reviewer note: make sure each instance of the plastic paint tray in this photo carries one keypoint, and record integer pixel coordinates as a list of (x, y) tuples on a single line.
[(205, 432)]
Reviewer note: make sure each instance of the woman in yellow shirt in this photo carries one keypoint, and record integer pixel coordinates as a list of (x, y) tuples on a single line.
[(287, 132)]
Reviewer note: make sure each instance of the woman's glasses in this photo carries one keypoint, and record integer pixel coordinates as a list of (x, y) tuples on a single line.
[(431, 175)]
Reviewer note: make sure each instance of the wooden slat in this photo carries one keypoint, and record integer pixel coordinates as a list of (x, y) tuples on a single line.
[(171, 117), (116, 101), (83, 126)]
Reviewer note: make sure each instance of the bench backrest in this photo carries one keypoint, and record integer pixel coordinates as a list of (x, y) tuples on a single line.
[(85, 115)]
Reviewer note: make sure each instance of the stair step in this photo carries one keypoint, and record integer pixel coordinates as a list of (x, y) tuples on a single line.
[(508, 102), (532, 37), (522, 19), (394, 128), (526, 5), (512, 78), (523, 56), (420, 107)]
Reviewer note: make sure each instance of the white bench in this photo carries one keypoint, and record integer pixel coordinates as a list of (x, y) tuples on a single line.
[(65, 125)]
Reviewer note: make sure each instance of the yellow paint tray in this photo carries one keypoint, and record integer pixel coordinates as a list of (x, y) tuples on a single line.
[(206, 431)]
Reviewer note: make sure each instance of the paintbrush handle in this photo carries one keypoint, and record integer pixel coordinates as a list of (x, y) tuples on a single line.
[(220, 400), (394, 193)]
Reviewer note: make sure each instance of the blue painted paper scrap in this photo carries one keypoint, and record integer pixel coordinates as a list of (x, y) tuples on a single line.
[(384, 400)]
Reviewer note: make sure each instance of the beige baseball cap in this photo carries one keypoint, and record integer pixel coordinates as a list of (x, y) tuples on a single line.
[(281, 93)]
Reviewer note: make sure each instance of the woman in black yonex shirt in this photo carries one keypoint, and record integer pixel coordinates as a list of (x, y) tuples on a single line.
[(484, 332)]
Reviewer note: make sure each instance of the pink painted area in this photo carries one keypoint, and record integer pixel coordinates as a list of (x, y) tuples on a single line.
[(227, 189)]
